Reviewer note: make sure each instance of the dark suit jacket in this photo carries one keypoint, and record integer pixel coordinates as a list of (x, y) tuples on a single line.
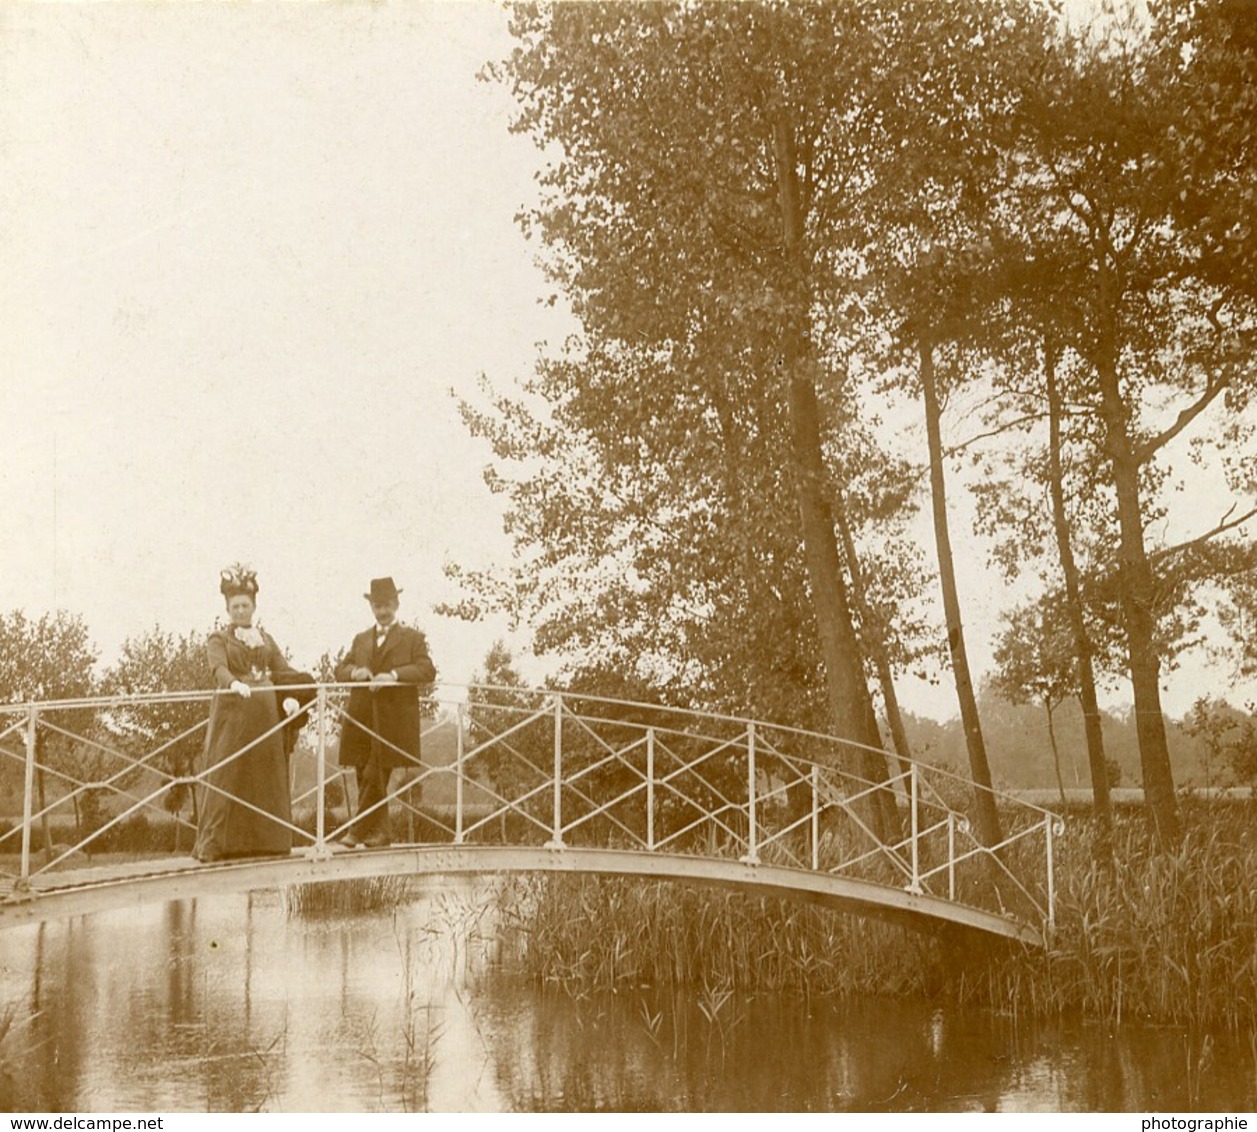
[(392, 712)]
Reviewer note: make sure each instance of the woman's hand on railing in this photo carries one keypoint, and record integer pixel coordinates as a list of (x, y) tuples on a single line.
[(241, 689), (290, 705)]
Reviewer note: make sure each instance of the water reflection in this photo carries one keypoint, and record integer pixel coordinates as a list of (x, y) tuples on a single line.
[(230, 1004)]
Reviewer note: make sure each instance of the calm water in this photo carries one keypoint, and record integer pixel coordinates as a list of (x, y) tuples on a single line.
[(231, 1004)]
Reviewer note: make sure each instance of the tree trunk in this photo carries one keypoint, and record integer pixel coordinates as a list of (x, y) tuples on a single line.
[(43, 809), (980, 770), (874, 642), (851, 707), (748, 572), (1078, 622), (1145, 663), (1136, 582), (1056, 752)]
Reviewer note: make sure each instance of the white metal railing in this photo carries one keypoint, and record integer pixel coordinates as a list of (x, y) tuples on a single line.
[(532, 767)]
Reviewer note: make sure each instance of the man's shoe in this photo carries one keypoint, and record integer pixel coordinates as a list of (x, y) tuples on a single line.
[(376, 841), (348, 840)]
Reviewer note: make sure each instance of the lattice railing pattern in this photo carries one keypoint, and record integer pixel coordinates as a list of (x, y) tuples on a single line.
[(507, 766)]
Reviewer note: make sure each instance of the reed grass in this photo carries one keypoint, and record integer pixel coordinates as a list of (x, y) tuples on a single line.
[(1160, 938), (592, 934), (359, 896), (20, 1090), (1169, 938)]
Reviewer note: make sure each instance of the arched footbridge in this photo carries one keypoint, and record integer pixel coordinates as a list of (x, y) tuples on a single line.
[(104, 795)]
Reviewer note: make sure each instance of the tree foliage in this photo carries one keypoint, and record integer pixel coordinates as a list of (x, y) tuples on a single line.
[(765, 216), (44, 659), (48, 658), (1228, 739), (668, 455), (168, 736)]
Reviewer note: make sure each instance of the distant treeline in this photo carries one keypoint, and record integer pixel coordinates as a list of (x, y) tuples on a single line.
[(1214, 745)]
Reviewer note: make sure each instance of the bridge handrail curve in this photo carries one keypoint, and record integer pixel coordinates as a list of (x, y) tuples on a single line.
[(194, 695), (786, 728), (535, 703)]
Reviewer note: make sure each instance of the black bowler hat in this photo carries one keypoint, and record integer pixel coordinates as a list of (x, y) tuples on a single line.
[(382, 589)]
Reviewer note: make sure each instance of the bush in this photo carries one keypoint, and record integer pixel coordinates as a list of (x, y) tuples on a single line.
[(140, 834)]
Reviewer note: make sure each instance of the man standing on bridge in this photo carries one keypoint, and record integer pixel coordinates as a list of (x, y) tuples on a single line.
[(381, 730)]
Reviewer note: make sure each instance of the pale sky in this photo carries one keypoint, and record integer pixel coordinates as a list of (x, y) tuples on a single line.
[(248, 250)]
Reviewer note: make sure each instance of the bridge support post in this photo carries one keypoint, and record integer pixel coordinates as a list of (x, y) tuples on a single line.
[(915, 886), (319, 849), (28, 795), (458, 775), (951, 855), (1048, 823), (650, 788), (556, 841), (752, 847), (816, 819)]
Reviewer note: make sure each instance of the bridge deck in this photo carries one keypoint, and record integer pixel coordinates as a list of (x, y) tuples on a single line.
[(91, 889)]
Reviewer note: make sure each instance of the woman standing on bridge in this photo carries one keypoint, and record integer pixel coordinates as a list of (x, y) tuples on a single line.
[(244, 805)]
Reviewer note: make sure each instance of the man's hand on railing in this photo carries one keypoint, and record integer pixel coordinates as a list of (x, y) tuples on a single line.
[(361, 673), (241, 689), (290, 705), (381, 678)]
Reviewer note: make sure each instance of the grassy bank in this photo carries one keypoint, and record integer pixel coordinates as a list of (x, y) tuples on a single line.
[(1162, 939)]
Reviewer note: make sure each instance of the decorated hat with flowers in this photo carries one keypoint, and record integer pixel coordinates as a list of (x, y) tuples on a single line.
[(238, 579)]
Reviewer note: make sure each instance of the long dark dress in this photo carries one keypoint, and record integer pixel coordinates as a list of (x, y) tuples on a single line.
[(260, 775)]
